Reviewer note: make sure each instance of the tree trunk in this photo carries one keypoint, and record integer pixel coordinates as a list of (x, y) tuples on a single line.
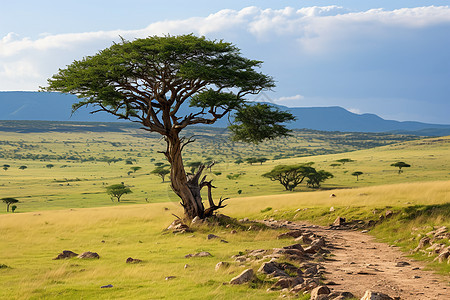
[(187, 190)]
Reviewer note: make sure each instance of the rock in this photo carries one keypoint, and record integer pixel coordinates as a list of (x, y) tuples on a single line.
[(296, 247), (304, 239), (442, 257), (331, 209), (332, 195), (196, 220), (402, 264), (294, 252), (388, 213), (181, 228), (106, 286), (257, 253), (222, 265), (435, 248), (212, 236), (320, 290), (233, 231), (170, 277), (186, 266), (290, 234), (133, 260), (339, 221), (174, 223), (340, 295), (224, 241), (65, 254), (244, 220), (245, 276), (287, 282), (272, 268), (369, 295), (200, 254), (88, 254)]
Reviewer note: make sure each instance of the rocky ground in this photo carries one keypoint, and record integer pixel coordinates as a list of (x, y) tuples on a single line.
[(354, 262)]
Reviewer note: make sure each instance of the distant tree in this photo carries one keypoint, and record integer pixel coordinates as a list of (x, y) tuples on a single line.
[(344, 160), (194, 165), (159, 164), (49, 166), (261, 160), (357, 174), (161, 172), (6, 167), (134, 169), (315, 179), (335, 165), (400, 165), (289, 176), (117, 191), (128, 162), (238, 161), (9, 201), (252, 160), (22, 167)]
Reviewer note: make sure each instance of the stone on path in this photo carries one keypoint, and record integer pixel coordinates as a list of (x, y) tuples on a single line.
[(369, 295), (200, 254), (320, 290)]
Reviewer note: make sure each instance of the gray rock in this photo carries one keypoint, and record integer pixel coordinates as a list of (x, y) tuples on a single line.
[(170, 277), (287, 282), (339, 221), (131, 260), (199, 254), (369, 295), (320, 290), (212, 236), (106, 286), (222, 265), (402, 264), (88, 254), (66, 254), (272, 268), (245, 276), (290, 234)]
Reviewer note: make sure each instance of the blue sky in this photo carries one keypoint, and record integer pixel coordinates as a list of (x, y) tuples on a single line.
[(390, 58)]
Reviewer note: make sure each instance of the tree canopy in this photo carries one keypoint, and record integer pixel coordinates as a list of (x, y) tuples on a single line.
[(9, 201), (117, 190), (290, 176), (149, 80), (400, 165), (357, 174)]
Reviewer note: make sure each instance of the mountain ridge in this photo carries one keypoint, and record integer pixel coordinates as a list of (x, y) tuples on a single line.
[(44, 106)]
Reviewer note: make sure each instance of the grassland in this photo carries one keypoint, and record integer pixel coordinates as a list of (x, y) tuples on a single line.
[(66, 208), (80, 169), (31, 240)]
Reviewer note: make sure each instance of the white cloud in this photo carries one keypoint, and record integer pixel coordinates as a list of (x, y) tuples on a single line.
[(306, 31)]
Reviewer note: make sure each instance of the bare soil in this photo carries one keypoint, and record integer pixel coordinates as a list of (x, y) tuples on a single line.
[(358, 262)]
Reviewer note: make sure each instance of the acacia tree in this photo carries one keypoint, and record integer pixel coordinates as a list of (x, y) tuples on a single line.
[(148, 80), (9, 201), (289, 176), (161, 172), (316, 178), (117, 190), (400, 165), (357, 174)]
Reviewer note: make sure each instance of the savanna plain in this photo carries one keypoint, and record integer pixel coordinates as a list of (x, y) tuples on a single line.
[(59, 173)]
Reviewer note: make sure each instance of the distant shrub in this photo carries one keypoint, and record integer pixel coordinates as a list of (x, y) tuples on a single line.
[(266, 209)]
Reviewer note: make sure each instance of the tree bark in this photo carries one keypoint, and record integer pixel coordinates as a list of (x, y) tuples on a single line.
[(188, 191)]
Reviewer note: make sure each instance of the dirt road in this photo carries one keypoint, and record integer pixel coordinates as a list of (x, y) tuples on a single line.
[(358, 263)]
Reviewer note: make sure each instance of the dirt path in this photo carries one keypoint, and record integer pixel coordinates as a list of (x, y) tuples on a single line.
[(358, 263)]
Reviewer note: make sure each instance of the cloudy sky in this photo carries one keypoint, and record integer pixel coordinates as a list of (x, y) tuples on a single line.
[(390, 58)]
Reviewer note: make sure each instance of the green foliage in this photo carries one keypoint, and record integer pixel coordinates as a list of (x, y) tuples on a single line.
[(13, 208), (117, 191), (290, 176), (233, 176), (9, 201), (255, 123), (315, 178), (238, 161), (49, 166), (266, 209), (357, 174), (400, 165), (136, 168), (161, 172), (6, 167), (344, 160)]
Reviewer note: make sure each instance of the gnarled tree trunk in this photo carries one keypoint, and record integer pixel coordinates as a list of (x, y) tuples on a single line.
[(188, 187)]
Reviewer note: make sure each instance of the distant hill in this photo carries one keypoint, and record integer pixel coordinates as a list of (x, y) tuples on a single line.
[(57, 107)]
